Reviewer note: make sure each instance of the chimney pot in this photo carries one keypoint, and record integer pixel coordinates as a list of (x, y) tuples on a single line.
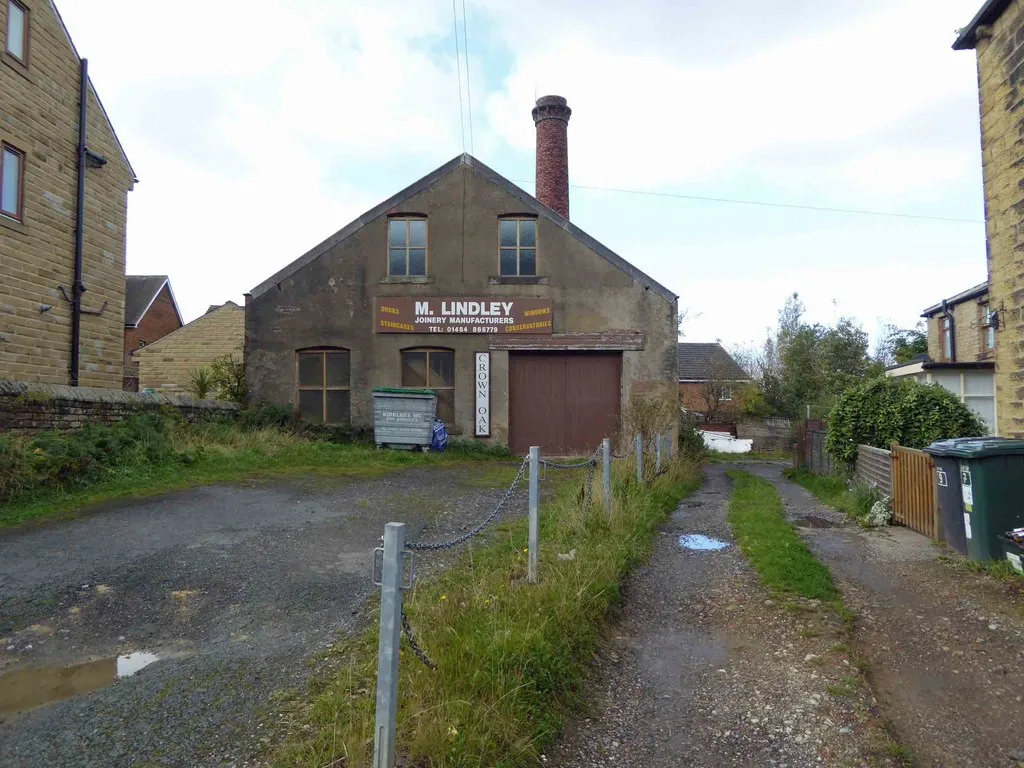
[(551, 116)]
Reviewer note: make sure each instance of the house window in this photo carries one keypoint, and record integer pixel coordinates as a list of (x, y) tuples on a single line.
[(407, 247), (726, 394), (324, 393), (432, 369), (12, 181), (17, 30), (947, 339), (517, 241), (988, 329)]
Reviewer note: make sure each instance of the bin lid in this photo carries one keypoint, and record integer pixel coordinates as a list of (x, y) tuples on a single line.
[(944, 447), (981, 447), (404, 391)]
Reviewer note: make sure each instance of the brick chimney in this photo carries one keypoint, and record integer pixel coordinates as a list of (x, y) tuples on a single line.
[(551, 116)]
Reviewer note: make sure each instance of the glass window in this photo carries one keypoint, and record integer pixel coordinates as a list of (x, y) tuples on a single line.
[(988, 329), (432, 369), (517, 245), (947, 341), (17, 30), (407, 247), (324, 386), (12, 178)]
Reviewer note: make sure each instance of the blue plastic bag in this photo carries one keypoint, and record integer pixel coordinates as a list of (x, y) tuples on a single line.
[(440, 439)]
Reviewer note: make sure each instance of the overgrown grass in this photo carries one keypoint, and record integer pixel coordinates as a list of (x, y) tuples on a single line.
[(511, 656), (51, 475), (856, 501), (770, 543), (719, 457)]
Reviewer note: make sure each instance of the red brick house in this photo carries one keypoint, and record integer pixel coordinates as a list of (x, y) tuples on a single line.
[(150, 313), (710, 381)]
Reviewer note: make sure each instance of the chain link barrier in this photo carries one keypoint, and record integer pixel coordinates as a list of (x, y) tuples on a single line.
[(414, 644), (578, 465)]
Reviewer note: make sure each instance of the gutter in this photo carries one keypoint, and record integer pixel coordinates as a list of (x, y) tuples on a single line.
[(77, 287)]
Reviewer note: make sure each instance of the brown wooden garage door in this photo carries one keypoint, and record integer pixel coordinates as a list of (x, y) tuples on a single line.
[(565, 402)]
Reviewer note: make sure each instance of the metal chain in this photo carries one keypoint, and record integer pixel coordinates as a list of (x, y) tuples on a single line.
[(420, 653), (579, 465), (482, 524)]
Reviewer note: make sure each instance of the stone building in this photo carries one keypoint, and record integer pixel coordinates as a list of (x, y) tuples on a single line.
[(530, 330), (166, 365), (59, 323), (961, 352), (150, 313), (996, 34)]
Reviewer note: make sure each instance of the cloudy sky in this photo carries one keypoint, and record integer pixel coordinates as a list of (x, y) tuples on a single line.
[(263, 127)]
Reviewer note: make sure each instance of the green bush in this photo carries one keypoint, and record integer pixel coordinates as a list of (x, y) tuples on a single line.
[(691, 442), (887, 410), (263, 415)]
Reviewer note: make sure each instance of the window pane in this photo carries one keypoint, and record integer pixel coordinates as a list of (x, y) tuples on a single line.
[(338, 406), (978, 383), (990, 337), (9, 185), (442, 369), (396, 233), (507, 233), (527, 233), (414, 369), (446, 405), (397, 265), (527, 261), (418, 233), (311, 405), (16, 30), (337, 370), (417, 261), (311, 372), (508, 261)]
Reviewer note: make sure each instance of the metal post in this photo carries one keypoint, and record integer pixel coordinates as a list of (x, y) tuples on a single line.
[(668, 444), (531, 564), (387, 651), (606, 457), (638, 443), (657, 455)]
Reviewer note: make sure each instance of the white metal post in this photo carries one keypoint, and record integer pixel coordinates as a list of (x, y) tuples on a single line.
[(531, 565), (638, 443), (606, 461), (657, 455), (387, 650)]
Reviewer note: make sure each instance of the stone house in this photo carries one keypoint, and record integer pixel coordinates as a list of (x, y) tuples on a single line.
[(166, 364), (996, 34), (711, 382), (530, 331), (961, 352), (62, 170), (150, 313)]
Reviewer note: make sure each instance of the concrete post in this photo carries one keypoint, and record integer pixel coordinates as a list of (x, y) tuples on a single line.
[(606, 460), (638, 443), (657, 455), (387, 649), (531, 565)]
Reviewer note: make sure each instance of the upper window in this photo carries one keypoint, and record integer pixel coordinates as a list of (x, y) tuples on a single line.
[(517, 240), (947, 338), (12, 181), (433, 369), (324, 391), (988, 329), (407, 247), (17, 30)]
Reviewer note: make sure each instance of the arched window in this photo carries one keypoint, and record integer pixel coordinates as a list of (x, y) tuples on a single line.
[(432, 368), (324, 376)]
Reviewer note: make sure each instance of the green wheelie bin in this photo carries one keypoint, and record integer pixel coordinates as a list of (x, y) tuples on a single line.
[(992, 489)]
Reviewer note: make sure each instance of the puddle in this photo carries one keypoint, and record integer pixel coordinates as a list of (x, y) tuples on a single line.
[(701, 543), (810, 521), (28, 688)]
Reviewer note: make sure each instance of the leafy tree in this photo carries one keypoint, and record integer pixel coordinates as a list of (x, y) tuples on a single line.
[(227, 375), (901, 345), (887, 410)]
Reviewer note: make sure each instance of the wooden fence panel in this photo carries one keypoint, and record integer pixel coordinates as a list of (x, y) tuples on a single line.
[(913, 485), (874, 468)]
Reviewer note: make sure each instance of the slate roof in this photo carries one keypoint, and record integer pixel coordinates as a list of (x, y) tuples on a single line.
[(140, 291), (971, 293), (532, 204), (967, 37), (693, 361)]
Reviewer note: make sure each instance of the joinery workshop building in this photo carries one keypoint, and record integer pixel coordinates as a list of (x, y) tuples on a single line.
[(530, 331)]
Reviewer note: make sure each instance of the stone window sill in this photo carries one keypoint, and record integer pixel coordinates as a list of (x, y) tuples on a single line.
[(510, 280), (405, 280), (16, 65), (8, 223)]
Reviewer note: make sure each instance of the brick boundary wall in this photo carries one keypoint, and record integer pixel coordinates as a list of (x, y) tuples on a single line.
[(28, 408)]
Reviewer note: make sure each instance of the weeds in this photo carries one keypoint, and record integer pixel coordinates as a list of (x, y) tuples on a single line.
[(856, 500)]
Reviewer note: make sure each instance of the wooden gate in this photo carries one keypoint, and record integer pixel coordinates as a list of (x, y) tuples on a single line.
[(913, 491)]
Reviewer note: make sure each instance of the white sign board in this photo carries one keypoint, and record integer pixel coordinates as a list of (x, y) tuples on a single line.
[(482, 386)]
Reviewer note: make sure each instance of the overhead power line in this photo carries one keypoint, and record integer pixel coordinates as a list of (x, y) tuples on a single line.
[(469, 93), (458, 73)]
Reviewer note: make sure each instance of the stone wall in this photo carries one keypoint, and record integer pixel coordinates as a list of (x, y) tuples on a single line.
[(27, 407), (39, 109), (968, 329), (767, 434), (165, 365)]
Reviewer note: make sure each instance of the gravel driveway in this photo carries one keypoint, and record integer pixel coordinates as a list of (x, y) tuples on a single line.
[(706, 669), (945, 648), (232, 587)]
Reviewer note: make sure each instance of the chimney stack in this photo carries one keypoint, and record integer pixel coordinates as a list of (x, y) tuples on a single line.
[(551, 116)]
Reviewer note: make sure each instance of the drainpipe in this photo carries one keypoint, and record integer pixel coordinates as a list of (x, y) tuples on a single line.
[(78, 287), (952, 331)]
